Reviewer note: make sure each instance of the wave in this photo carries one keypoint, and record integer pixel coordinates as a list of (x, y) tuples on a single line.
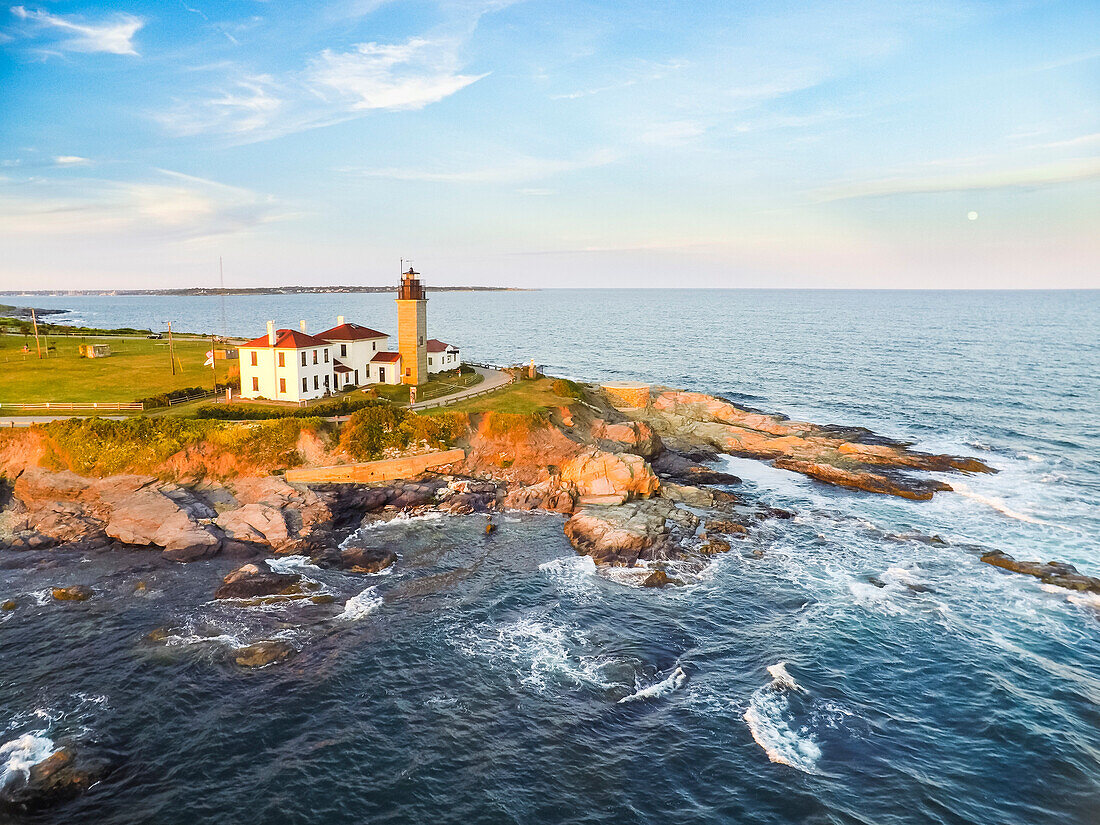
[(673, 682), (22, 753), (290, 564), (541, 652), (769, 719), (998, 505), (361, 605), (572, 574)]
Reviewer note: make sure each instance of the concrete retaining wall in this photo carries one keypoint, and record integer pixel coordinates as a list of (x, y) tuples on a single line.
[(368, 471)]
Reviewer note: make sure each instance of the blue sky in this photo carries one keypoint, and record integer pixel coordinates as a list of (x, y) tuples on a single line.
[(771, 144)]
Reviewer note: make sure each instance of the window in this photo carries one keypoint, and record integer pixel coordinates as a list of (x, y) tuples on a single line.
[(421, 340), (282, 385), (316, 385), (373, 346), (303, 358), (343, 350), (282, 359), (326, 356), (315, 356), (326, 382), (305, 381), (357, 378), (255, 384), (429, 362), (255, 361)]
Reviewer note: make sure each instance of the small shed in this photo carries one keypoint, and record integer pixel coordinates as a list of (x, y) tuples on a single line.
[(95, 350)]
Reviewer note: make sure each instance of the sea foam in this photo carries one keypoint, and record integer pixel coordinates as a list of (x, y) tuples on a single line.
[(362, 604), (20, 754), (769, 719), (674, 681), (998, 505)]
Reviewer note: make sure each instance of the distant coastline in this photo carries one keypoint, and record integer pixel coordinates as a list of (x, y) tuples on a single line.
[(259, 290)]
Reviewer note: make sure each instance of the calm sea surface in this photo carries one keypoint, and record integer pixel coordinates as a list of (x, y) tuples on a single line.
[(480, 681)]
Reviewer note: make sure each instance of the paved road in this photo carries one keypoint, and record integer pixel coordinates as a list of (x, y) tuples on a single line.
[(493, 379)]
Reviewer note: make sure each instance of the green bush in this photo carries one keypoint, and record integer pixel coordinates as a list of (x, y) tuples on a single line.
[(372, 431), (567, 389), (100, 447), (163, 398), (261, 412)]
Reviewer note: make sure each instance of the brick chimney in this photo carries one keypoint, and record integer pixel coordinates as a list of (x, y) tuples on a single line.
[(339, 320), (302, 324)]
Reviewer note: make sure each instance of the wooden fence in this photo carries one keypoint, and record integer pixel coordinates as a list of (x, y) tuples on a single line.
[(64, 406)]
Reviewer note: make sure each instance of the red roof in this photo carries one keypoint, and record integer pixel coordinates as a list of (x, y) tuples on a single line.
[(435, 345), (351, 332), (340, 366), (286, 339), (386, 358)]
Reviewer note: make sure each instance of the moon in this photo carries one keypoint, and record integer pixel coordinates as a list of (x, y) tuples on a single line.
[(972, 216)]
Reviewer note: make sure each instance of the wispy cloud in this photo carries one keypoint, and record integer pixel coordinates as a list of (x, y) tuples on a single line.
[(512, 171), (1051, 174), (70, 160), (169, 206), (112, 35), (333, 86), (406, 75)]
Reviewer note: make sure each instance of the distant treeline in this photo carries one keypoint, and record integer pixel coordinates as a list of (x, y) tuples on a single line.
[(259, 290)]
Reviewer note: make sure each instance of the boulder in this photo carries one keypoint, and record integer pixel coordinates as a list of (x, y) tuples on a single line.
[(8, 604), (546, 495), (598, 473), (58, 777), (192, 545), (714, 545), (617, 535), (658, 578), (691, 496), (257, 523), (251, 580), (637, 436), (263, 653), (73, 593), (1056, 573), (726, 526), (367, 559)]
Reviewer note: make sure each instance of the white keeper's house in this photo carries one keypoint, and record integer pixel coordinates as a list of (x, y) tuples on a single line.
[(293, 365)]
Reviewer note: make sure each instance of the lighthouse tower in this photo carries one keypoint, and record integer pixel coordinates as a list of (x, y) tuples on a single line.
[(412, 329)]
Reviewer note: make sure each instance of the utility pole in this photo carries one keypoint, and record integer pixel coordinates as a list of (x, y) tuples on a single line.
[(171, 350), (221, 277), (213, 362), (37, 343)]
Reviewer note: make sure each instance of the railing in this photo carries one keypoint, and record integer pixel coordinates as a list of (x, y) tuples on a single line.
[(63, 406), (458, 398)]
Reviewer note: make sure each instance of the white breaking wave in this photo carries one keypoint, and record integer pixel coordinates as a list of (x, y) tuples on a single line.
[(361, 604), (290, 564), (998, 505), (674, 681), (541, 652), (572, 574), (21, 754), (768, 718)]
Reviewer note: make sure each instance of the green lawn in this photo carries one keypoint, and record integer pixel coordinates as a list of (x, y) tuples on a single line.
[(440, 384), (524, 397), (137, 368)]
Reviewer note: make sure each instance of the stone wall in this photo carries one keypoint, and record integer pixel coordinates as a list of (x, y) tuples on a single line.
[(625, 395), (369, 471)]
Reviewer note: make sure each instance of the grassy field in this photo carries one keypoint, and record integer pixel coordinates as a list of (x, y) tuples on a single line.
[(524, 397), (443, 383), (137, 368)]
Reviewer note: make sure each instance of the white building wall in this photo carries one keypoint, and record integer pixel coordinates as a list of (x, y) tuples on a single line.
[(263, 380), (358, 356), (443, 361), (392, 372)]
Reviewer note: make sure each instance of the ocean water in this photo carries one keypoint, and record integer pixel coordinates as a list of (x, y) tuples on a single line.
[(856, 673)]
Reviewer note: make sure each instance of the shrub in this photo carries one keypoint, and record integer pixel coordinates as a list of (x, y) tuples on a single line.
[(258, 412), (567, 389), (372, 431), (100, 447), (162, 399)]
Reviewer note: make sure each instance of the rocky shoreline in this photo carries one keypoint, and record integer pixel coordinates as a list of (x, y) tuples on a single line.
[(637, 488)]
